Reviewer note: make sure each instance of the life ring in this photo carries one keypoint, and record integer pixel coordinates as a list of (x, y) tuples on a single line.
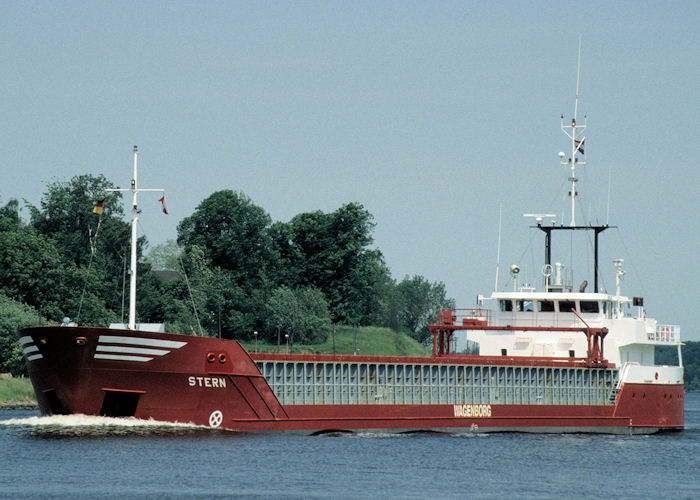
[(656, 375)]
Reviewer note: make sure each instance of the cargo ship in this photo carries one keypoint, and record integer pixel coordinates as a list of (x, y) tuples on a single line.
[(554, 360)]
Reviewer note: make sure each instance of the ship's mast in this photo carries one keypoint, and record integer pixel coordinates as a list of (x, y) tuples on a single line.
[(575, 133), (134, 224)]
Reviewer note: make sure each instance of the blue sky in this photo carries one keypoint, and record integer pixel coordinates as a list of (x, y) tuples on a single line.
[(431, 114)]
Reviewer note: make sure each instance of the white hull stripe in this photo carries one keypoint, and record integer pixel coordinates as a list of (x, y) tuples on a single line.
[(30, 349), (171, 344), (122, 357), (130, 350)]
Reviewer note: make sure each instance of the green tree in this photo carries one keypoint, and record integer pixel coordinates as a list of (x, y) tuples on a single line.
[(283, 313), (329, 252), (31, 271), (164, 257), (9, 217), (184, 312), (93, 251), (14, 315), (233, 235), (93, 248), (315, 321), (419, 303), (232, 231), (287, 257), (302, 314), (66, 215)]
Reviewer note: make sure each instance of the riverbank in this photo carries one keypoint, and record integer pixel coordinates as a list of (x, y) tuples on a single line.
[(17, 393)]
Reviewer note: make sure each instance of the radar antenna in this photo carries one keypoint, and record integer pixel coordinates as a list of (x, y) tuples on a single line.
[(540, 217)]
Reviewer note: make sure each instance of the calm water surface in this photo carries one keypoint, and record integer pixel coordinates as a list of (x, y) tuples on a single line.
[(82, 457)]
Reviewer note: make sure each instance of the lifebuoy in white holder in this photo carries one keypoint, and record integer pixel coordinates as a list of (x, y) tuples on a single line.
[(216, 418)]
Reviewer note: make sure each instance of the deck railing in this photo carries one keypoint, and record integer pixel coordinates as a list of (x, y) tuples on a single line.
[(463, 316)]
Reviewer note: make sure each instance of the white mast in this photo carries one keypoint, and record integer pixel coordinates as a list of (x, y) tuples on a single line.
[(575, 133), (134, 224)]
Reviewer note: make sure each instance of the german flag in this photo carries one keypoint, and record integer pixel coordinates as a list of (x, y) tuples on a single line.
[(99, 207)]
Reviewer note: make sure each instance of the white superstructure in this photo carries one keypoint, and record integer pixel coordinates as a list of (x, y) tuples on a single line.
[(632, 336), (629, 343)]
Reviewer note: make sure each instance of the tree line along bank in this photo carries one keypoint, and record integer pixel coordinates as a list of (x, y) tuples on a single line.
[(234, 272)]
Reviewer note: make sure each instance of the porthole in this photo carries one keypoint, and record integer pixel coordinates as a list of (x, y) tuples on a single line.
[(211, 357), (222, 357), (80, 340)]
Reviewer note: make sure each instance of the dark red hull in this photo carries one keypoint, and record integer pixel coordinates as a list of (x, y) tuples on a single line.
[(213, 382)]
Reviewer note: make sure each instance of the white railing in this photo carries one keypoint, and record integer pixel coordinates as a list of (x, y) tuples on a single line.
[(666, 333)]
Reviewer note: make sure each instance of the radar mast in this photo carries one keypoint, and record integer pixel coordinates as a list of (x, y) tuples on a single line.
[(575, 133)]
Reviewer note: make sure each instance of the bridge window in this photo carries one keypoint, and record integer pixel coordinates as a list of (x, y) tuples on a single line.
[(589, 306), (566, 306), (525, 306), (506, 305), (545, 306)]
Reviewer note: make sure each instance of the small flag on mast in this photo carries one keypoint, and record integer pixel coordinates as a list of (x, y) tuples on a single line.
[(99, 207), (580, 145), (165, 207)]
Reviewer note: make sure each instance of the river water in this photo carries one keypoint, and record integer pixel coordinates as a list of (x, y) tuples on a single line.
[(92, 457)]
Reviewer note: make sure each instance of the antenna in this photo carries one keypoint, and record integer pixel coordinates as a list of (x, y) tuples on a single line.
[(578, 76), (540, 217), (577, 142), (498, 253), (607, 212)]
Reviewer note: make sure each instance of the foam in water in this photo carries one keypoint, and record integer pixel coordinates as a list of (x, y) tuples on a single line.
[(88, 425)]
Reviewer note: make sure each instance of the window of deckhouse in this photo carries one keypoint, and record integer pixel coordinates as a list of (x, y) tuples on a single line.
[(589, 306), (566, 306), (545, 306), (506, 305), (525, 306)]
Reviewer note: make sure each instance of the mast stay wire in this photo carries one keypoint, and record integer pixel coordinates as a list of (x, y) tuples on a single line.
[(187, 281), (93, 248), (189, 290)]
